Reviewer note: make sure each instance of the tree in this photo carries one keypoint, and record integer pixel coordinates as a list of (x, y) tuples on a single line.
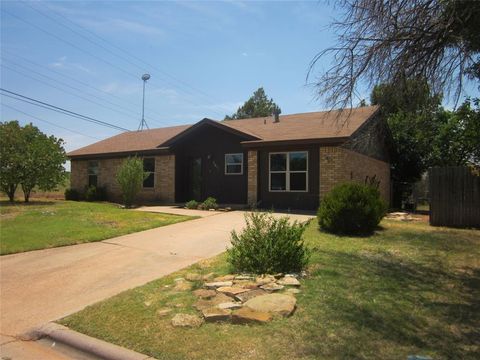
[(257, 106), (388, 41), (11, 147), (29, 158), (42, 161), (130, 177)]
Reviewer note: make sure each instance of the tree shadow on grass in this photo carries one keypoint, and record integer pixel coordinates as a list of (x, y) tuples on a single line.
[(414, 305), (6, 203)]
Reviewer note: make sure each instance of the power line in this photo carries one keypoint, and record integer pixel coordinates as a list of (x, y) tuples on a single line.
[(116, 47), (48, 122), (68, 92), (108, 50), (60, 109), (79, 82)]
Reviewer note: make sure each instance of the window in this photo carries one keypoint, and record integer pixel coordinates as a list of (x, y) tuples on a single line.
[(92, 173), (149, 167), (289, 171), (234, 164)]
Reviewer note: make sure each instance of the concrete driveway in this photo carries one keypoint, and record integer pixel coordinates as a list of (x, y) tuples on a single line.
[(45, 285)]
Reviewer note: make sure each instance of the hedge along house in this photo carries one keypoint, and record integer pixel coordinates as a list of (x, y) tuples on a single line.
[(288, 161)]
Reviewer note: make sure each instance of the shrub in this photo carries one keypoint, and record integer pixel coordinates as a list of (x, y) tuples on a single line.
[(130, 177), (268, 245), (209, 203), (72, 194), (192, 204), (90, 193), (351, 209)]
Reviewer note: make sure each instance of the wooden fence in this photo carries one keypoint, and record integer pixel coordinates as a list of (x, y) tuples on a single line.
[(454, 197)]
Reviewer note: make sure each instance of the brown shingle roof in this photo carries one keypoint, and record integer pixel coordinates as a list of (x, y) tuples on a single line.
[(314, 125), (131, 141)]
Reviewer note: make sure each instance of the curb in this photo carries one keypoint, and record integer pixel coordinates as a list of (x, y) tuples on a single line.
[(84, 343)]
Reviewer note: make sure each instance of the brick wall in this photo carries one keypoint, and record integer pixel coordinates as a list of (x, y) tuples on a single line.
[(252, 187), (163, 190), (338, 165)]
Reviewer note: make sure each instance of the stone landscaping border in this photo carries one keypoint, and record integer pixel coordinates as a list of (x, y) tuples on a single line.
[(239, 299)]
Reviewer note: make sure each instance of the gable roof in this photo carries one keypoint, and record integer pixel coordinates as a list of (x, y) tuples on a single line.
[(305, 126)]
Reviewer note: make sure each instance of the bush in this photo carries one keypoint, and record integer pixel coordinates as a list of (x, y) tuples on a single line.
[(95, 193), (209, 203), (351, 209), (268, 245), (192, 204), (72, 194), (130, 177)]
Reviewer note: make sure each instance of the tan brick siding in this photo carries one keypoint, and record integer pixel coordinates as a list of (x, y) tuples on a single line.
[(338, 165), (252, 179), (163, 190)]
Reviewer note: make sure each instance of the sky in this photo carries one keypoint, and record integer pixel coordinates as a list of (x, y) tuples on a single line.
[(205, 59)]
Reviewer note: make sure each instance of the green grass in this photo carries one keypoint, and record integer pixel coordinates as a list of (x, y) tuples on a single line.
[(46, 224), (408, 289)]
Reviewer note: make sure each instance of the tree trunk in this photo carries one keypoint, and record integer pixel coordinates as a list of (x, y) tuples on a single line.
[(26, 192), (11, 192)]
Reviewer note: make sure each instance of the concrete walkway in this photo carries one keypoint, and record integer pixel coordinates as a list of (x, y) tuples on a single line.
[(45, 285)]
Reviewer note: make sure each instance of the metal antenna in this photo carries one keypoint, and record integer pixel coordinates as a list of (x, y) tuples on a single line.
[(143, 123)]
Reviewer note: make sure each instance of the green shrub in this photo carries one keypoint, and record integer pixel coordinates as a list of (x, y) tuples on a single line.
[(268, 245), (95, 193), (130, 177), (351, 209), (209, 203), (192, 204), (72, 194)]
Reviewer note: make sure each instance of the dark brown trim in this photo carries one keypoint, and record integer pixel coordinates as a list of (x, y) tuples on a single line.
[(322, 141), (203, 122), (159, 151)]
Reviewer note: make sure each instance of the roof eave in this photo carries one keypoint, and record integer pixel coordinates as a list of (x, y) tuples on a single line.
[(157, 151), (319, 141)]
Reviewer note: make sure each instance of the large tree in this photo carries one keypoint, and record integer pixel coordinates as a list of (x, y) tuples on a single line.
[(257, 106), (388, 41), (29, 158)]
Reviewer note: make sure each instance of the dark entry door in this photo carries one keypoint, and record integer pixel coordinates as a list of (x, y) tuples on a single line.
[(194, 186)]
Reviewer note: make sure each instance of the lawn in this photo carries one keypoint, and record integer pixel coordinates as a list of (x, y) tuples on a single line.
[(46, 224), (408, 289)]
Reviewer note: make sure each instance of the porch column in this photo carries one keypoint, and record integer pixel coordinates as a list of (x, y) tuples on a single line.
[(252, 161)]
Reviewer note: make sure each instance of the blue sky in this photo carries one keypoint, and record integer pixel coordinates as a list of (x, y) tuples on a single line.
[(205, 59)]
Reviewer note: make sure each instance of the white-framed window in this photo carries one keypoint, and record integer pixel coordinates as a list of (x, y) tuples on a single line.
[(288, 171), (149, 167), (92, 173), (234, 164)]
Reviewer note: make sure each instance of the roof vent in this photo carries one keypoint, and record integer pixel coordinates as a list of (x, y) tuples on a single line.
[(276, 114)]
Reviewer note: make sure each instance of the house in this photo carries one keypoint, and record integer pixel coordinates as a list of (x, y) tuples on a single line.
[(288, 161)]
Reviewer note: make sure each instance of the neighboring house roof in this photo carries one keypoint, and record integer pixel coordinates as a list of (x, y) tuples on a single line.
[(305, 126)]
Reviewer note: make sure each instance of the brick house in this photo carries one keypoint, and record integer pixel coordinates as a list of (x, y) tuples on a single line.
[(288, 161)]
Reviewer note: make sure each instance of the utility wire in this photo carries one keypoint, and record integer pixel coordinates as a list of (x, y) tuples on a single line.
[(48, 122), (68, 92), (103, 47), (79, 82), (186, 84), (65, 111)]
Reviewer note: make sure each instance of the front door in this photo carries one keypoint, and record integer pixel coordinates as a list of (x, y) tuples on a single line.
[(194, 189)]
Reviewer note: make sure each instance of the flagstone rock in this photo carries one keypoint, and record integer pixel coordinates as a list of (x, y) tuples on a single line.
[(204, 293), (273, 303), (193, 277), (208, 276), (231, 291), (187, 320), (229, 305), (183, 286), (214, 314), (224, 278), (289, 280), (265, 279), (244, 277), (202, 304), (293, 291), (272, 287), (217, 284), (250, 295), (246, 315), (247, 284)]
